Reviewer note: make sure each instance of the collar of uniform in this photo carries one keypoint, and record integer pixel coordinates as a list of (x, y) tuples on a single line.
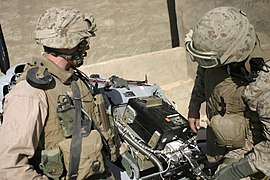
[(65, 76)]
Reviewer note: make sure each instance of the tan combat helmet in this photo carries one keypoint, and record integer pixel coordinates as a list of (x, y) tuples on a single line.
[(223, 35), (64, 28)]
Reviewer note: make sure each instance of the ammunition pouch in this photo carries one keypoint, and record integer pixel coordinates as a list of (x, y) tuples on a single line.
[(91, 159), (229, 130), (51, 163), (65, 113)]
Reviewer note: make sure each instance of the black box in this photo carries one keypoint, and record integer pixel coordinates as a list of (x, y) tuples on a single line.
[(157, 121)]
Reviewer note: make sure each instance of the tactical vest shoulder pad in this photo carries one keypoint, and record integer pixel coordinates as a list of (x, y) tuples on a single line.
[(40, 77)]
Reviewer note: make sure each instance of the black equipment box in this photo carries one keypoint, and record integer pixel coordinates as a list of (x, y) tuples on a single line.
[(157, 122)]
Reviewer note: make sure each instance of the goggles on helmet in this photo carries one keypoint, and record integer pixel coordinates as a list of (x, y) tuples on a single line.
[(204, 59)]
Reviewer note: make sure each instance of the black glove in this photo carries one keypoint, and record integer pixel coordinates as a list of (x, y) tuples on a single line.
[(235, 171)]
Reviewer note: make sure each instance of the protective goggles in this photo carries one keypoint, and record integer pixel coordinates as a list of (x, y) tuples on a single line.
[(204, 59)]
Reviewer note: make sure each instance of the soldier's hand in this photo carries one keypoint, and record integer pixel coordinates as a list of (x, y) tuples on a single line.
[(194, 124)]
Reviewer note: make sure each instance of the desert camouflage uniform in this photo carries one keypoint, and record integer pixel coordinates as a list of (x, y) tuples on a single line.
[(224, 43), (257, 96), (31, 122)]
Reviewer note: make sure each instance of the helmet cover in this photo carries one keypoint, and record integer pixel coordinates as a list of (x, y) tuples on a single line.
[(64, 28), (226, 34)]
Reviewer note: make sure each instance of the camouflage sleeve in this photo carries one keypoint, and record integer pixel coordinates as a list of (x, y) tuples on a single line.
[(197, 95), (257, 96)]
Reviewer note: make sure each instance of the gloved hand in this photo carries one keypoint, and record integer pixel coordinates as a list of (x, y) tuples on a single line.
[(235, 171)]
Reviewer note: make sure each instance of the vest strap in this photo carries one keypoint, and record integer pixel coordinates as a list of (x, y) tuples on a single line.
[(76, 141)]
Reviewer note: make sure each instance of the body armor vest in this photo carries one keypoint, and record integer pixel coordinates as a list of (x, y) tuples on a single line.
[(53, 133), (223, 93), (53, 136), (228, 113)]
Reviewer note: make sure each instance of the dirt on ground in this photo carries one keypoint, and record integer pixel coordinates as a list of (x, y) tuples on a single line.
[(125, 27)]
